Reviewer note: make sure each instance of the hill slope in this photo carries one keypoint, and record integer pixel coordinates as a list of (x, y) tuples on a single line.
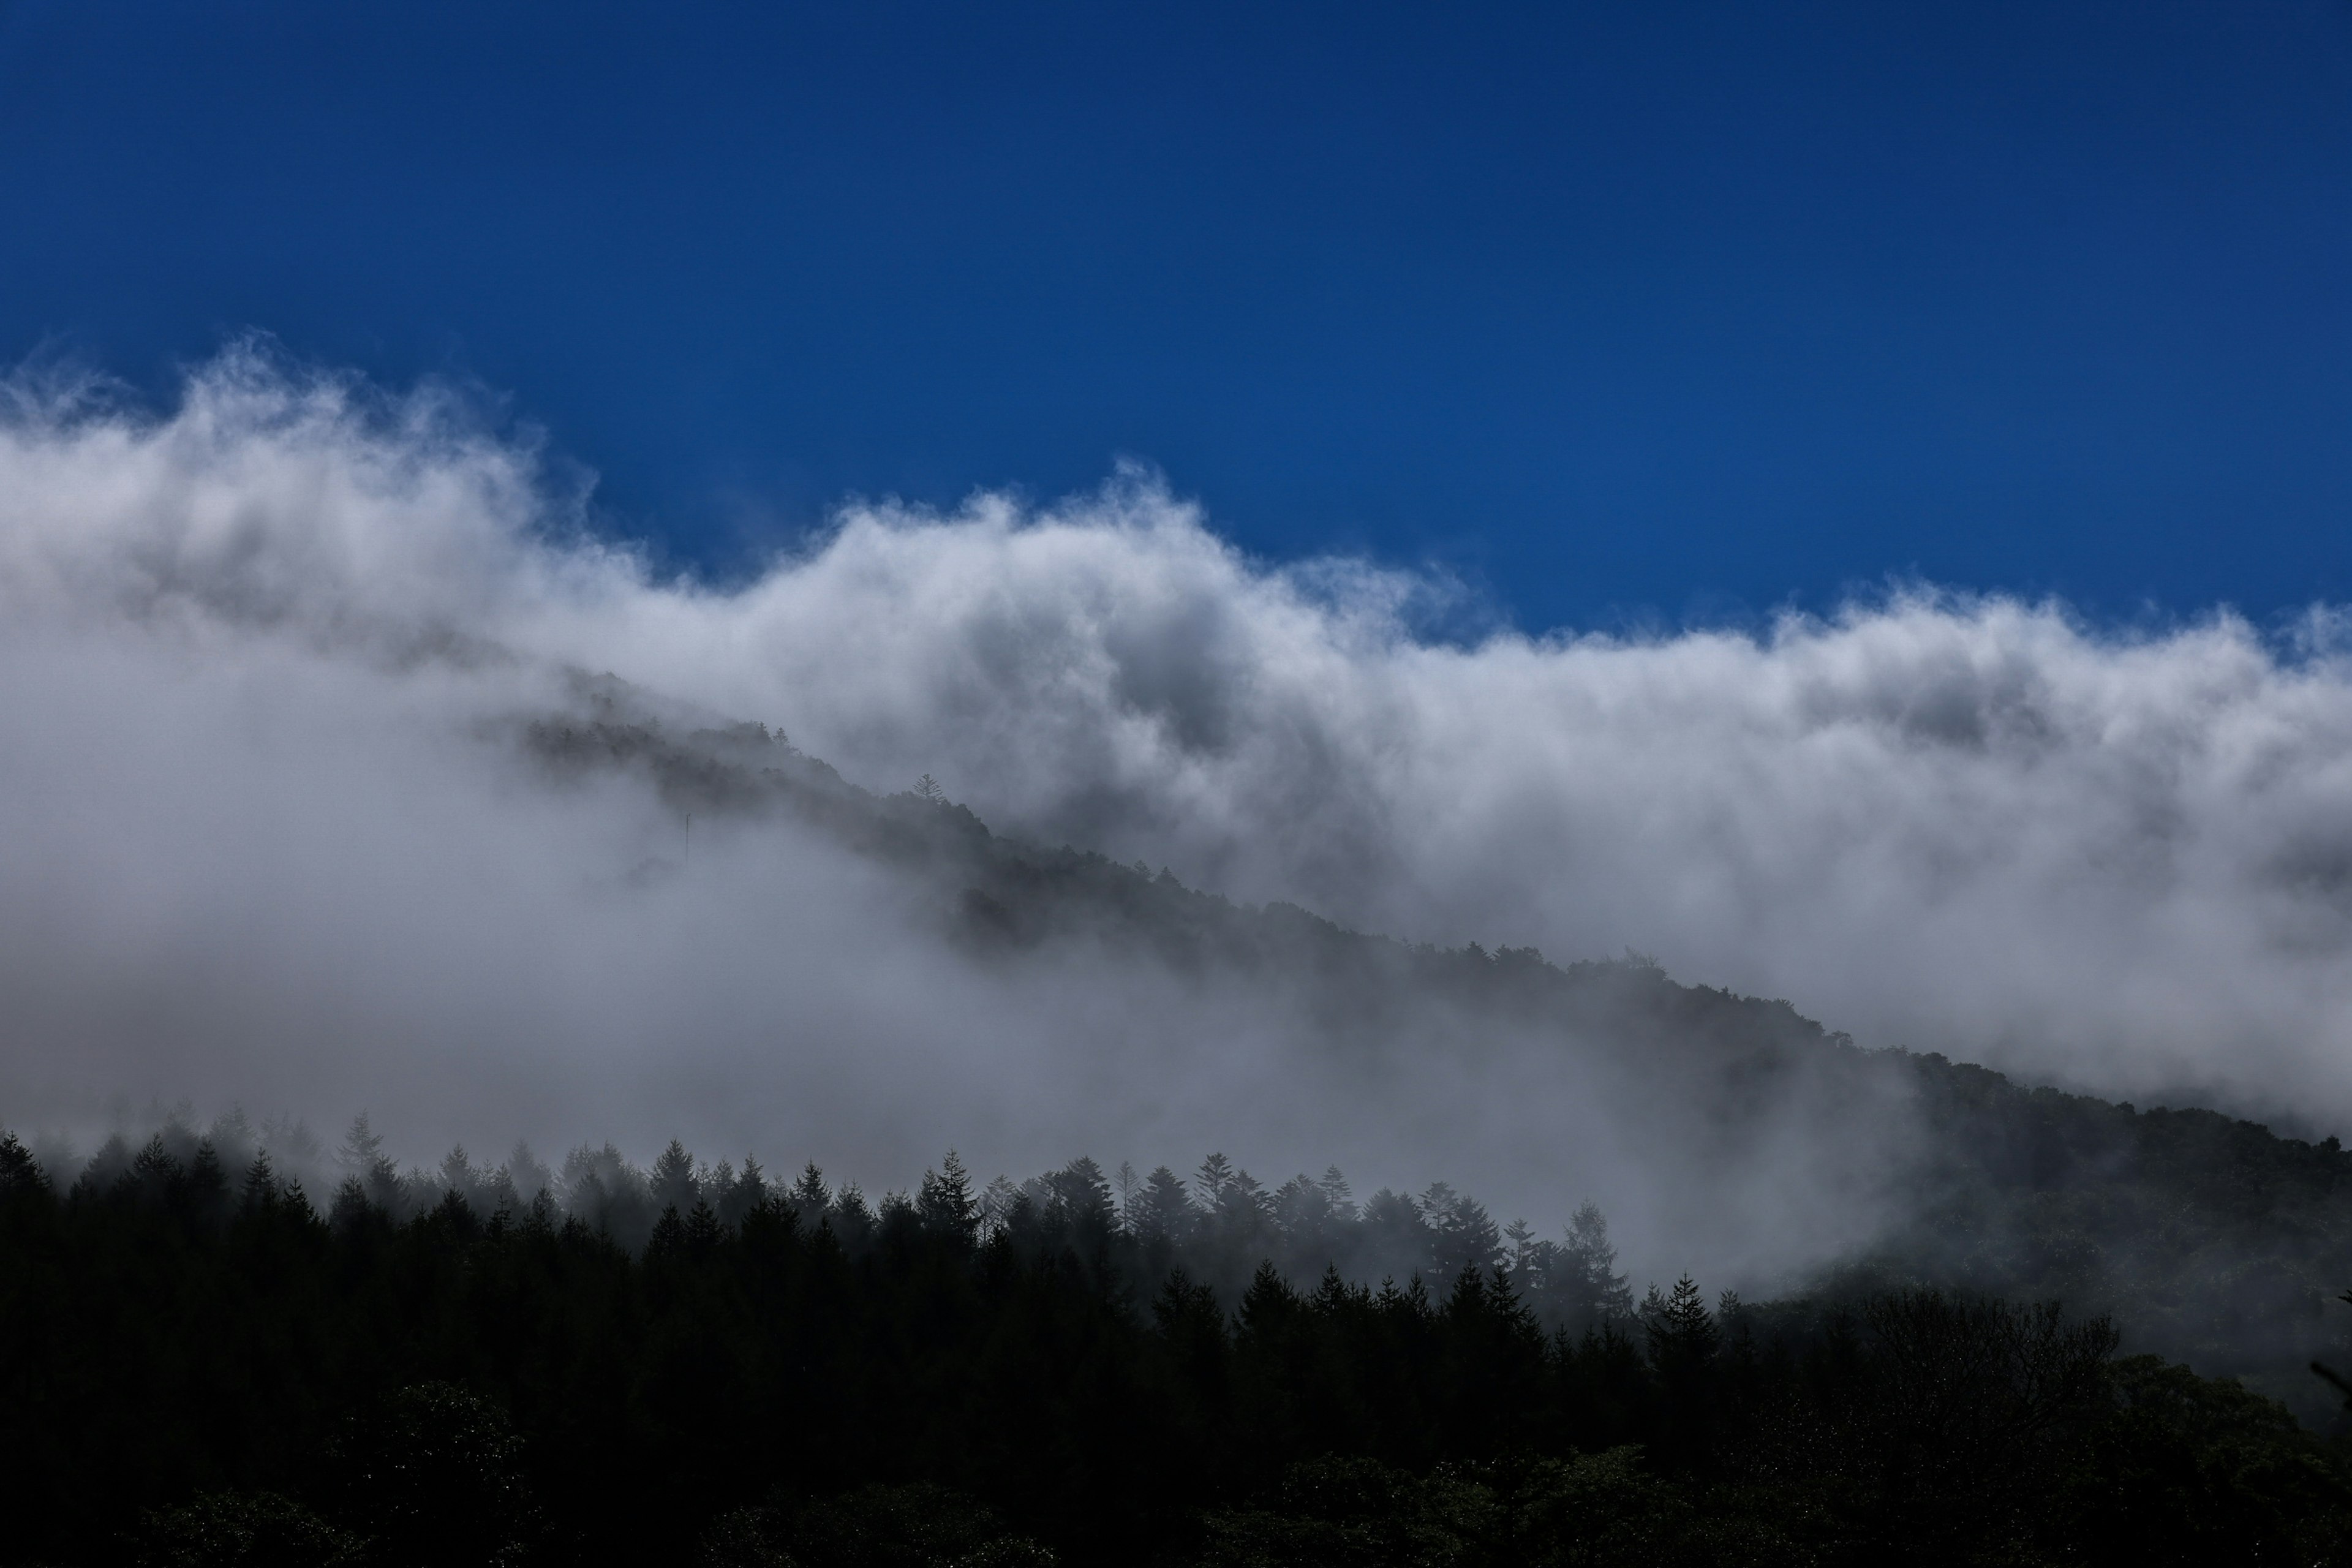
[(2209, 1238)]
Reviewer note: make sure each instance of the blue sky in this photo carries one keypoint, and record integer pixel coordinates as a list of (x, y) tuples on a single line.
[(1663, 312)]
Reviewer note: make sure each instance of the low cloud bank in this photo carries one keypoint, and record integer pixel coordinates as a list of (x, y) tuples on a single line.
[(258, 835)]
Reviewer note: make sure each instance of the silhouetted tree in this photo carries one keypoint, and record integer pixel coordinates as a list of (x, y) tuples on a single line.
[(946, 1202), (1165, 1210), (674, 1183)]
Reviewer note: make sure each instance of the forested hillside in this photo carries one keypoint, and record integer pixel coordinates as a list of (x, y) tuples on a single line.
[(1995, 1329), (203, 1369), (2208, 1237)]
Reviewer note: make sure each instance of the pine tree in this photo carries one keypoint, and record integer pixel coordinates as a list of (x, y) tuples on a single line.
[(850, 1217), (1589, 1283), (1303, 1212), (1682, 1341), (1681, 1333), (1216, 1174), (1396, 1239), (1188, 1317), (19, 1172), (703, 1231), (1337, 1194), (458, 1175), (742, 1192), (155, 1170), (1128, 1182), (674, 1183), (608, 1194), (1334, 1295), (1269, 1303), (1082, 1184), (945, 1202), (997, 1202), (261, 1193), (1081, 1198), (362, 1147), (1464, 1235), (531, 1178), (1244, 1204), (363, 1158), (207, 1185), (1536, 1266), (1166, 1209), (668, 1239)]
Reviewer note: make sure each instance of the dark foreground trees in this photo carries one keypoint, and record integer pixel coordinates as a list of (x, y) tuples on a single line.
[(200, 1369)]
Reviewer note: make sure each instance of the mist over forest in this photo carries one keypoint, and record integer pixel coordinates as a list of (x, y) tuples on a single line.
[(1270, 950), (281, 638)]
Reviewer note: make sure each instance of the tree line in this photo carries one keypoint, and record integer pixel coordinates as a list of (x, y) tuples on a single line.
[(1220, 1223), (202, 1364)]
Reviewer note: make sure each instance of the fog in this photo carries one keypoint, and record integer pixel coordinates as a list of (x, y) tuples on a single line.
[(266, 836)]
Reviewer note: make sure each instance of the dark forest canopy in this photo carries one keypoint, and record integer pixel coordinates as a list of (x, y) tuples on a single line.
[(204, 1368)]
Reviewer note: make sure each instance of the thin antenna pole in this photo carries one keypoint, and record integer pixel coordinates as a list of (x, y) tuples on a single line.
[(689, 843)]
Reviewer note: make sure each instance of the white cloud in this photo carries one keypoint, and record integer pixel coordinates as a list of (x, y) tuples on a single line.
[(248, 646)]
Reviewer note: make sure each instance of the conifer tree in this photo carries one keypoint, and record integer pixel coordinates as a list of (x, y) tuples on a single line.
[(945, 1202), (1244, 1204), (1587, 1281), (1216, 1174), (19, 1172), (458, 1175), (1081, 1199), (809, 1196), (744, 1192), (674, 1183), (1269, 1302), (1337, 1194), (207, 1186), (1302, 1211), (362, 1159), (1464, 1238), (1334, 1295), (1396, 1240), (667, 1241), (1166, 1211), (1680, 1331), (362, 1147), (997, 1201), (530, 1177), (260, 1192), (850, 1217), (1128, 1182)]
